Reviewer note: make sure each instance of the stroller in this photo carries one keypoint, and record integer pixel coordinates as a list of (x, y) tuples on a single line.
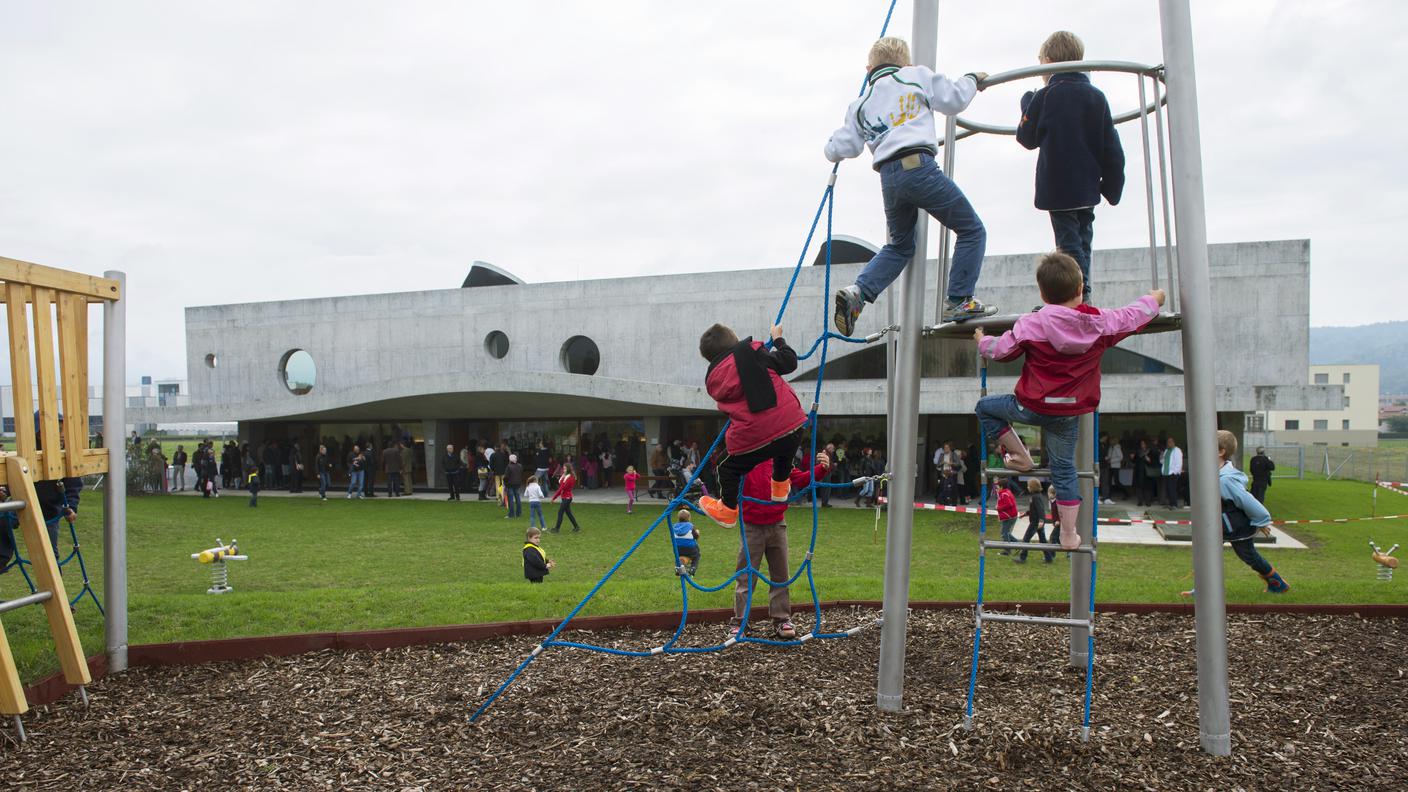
[(679, 477)]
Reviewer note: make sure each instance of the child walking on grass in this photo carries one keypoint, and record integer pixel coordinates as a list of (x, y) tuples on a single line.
[(1037, 509), (631, 478), (1063, 343), (536, 565), (1243, 516), (534, 493)]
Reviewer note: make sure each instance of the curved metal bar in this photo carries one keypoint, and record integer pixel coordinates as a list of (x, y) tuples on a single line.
[(971, 128)]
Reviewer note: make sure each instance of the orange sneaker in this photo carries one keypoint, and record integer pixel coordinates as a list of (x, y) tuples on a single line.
[(718, 512), (781, 490)]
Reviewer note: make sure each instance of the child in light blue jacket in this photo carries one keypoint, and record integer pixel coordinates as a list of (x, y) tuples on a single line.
[(1243, 516)]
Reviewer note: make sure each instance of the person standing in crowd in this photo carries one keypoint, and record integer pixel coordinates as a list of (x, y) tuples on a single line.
[(408, 464), (513, 485), (607, 462), (369, 469), (178, 469), (1261, 469), (356, 470), (659, 471), (210, 470), (498, 466), (565, 483), (323, 465), (1114, 460), (295, 465), (450, 464), (1143, 473), (391, 461), (1170, 468), (542, 460)]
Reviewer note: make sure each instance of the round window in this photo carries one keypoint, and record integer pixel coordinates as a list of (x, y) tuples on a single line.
[(298, 372), (580, 355), (496, 344), (211, 361)]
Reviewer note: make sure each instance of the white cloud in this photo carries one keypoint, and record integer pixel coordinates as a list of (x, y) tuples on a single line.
[(254, 151)]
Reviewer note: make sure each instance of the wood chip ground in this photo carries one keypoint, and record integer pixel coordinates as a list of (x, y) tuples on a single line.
[(1317, 703)]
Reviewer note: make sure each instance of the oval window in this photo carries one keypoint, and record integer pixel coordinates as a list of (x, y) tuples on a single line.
[(298, 372), (211, 361), (580, 355), (496, 344)]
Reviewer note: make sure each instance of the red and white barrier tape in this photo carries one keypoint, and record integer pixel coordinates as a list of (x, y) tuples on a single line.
[(1119, 521)]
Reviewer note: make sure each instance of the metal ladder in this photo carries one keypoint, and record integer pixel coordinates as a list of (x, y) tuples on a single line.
[(1087, 548), (49, 592)]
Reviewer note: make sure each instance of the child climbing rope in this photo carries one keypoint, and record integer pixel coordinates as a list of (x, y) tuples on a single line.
[(895, 118), (1063, 343), (1243, 516), (1081, 158), (765, 418)]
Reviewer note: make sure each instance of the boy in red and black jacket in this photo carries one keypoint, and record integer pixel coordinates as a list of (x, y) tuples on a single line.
[(765, 418)]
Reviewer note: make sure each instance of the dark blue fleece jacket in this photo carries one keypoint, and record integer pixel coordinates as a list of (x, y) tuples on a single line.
[(1081, 158)]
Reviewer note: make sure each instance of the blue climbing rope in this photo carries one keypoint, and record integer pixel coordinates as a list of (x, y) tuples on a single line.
[(687, 582), (8, 522)]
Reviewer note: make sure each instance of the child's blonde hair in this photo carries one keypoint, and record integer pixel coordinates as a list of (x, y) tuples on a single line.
[(533, 533), (1063, 45), (683, 516), (630, 468), (1033, 486), (1226, 443), (890, 50)]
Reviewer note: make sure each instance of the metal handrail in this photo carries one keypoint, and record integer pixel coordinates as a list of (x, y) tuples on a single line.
[(971, 128)]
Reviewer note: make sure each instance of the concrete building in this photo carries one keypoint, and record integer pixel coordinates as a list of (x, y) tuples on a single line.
[(1355, 423), (617, 357)]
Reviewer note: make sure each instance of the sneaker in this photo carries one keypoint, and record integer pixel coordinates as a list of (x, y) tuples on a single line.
[(715, 509), (849, 303), (781, 490), (963, 310), (735, 631), (785, 630), (1019, 560), (1108, 502)]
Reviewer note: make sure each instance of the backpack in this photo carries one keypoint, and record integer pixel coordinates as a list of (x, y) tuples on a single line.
[(1236, 525)]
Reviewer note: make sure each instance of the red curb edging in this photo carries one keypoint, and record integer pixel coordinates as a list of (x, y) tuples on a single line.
[(52, 688)]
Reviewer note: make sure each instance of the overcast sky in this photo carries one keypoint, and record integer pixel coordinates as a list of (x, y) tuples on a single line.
[(230, 152)]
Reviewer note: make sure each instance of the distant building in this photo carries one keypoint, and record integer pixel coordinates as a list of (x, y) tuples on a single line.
[(1356, 423), (576, 364)]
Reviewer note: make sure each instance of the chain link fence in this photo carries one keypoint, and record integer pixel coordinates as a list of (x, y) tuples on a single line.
[(1339, 462)]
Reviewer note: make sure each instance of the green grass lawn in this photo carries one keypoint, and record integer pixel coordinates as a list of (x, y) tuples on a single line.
[(356, 565)]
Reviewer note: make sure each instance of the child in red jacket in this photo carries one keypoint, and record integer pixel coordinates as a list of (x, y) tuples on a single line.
[(1006, 510), (765, 418), (766, 529), (1060, 381), (631, 478)]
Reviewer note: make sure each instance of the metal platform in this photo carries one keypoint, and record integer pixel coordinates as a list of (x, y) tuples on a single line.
[(1035, 547), (1003, 472), (996, 325)]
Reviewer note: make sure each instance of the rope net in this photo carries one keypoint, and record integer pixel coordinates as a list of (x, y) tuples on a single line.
[(687, 582)]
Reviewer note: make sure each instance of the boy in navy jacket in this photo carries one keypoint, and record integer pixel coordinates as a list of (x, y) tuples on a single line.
[(1081, 158)]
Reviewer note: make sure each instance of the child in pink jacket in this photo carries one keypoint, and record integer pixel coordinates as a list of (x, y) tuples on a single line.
[(1063, 343)]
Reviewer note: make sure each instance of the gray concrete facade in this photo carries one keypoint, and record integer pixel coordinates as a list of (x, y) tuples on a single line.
[(423, 354)]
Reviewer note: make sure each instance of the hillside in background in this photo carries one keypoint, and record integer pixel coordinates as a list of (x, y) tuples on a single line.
[(1385, 343)]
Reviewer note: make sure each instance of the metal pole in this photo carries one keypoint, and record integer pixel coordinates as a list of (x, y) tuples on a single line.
[(1199, 350), (115, 488), (1148, 187), (1163, 197), (945, 238), (1080, 562), (889, 691)]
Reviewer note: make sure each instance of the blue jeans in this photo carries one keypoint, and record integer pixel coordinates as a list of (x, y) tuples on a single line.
[(1075, 232), (354, 482), (514, 502), (905, 193), (324, 481), (535, 515), (997, 413)]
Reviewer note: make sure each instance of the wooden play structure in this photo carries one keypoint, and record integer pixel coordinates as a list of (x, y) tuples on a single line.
[(48, 347)]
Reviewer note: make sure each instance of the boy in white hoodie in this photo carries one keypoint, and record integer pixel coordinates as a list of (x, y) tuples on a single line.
[(534, 493), (895, 118)]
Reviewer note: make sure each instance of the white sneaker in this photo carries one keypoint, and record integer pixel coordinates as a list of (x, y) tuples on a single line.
[(1108, 502)]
